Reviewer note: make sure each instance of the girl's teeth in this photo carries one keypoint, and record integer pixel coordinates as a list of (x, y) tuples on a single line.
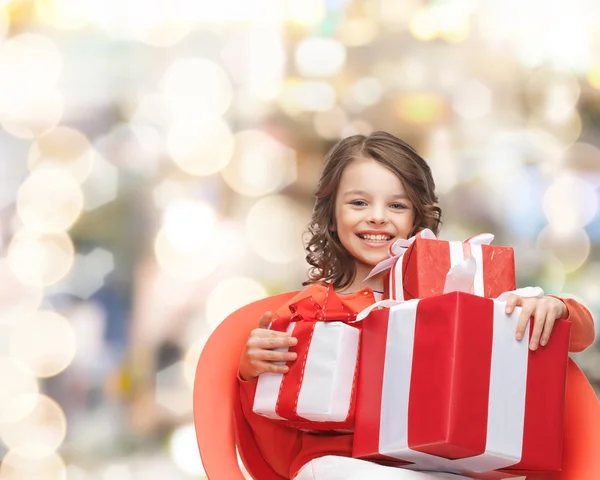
[(377, 238)]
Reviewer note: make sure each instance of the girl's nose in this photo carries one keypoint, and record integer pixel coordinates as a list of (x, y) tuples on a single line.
[(377, 216)]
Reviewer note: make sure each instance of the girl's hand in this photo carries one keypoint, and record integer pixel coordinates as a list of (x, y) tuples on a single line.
[(544, 310), (259, 352)]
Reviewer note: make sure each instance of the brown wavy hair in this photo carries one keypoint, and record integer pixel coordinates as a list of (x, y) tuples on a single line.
[(329, 261)]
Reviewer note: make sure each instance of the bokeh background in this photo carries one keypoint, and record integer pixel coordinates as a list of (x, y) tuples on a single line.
[(158, 160)]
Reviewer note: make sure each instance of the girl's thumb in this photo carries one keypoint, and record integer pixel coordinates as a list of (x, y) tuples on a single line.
[(265, 320)]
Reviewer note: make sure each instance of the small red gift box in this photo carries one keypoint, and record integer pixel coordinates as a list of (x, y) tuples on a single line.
[(418, 266), (444, 385), (319, 390)]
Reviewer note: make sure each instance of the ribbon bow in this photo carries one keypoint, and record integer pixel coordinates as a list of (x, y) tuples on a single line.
[(400, 246), (309, 310)]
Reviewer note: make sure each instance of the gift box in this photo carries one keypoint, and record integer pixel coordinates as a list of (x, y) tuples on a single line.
[(445, 386), (418, 266), (319, 390)]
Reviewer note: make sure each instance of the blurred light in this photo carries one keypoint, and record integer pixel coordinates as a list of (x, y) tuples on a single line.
[(572, 248), (75, 473), (593, 76), (4, 23), (191, 359), (167, 192), (63, 14), (561, 100), (420, 108), (229, 295), (312, 96), (306, 12), (135, 148), (88, 273), (102, 185), (40, 259), (183, 449), (196, 85), (423, 25), (260, 164), (159, 25), (172, 389), (49, 200), (582, 157), (29, 102), (188, 224), (16, 466), (330, 124), (63, 147), (39, 433), (357, 127), (441, 159), (188, 265), (570, 203), (16, 299), (27, 115), (355, 32), (203, 147), (117, 472), (266, 59), (45, 342), (320, 57), (365, 92), (472, 100), (274, 229), (151, 109), (19, 390), (566, 133)]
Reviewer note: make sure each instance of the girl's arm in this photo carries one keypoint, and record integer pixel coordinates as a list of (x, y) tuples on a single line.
[(582, 325)]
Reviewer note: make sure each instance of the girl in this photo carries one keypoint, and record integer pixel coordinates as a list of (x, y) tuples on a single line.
[(373, 190)]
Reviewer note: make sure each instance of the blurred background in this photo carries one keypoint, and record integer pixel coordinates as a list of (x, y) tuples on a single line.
[(158, 160)]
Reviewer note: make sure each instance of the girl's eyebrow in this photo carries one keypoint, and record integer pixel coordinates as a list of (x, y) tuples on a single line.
[(366, 194)]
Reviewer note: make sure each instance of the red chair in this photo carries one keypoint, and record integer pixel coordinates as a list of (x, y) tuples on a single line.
[(216, 407), (216, 393)]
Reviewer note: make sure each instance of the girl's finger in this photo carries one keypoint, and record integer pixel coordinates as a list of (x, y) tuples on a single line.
[(269, 343), (522, 323), (548, 326), (512, 302), (265, 320), (538, 326), (273, 355), (262, 366)]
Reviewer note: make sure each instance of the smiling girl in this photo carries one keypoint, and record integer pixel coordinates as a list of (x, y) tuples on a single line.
[(373, 191)]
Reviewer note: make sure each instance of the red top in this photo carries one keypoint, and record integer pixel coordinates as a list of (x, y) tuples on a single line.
[(286, 450)]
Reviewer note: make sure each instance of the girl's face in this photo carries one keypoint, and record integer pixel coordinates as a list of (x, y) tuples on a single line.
[(371, 211)]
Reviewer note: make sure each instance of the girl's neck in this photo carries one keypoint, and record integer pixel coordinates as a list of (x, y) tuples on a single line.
[(362, 271)]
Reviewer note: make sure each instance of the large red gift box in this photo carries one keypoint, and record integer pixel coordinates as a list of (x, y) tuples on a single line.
[(319, 390), (445, 386), (418, 266)]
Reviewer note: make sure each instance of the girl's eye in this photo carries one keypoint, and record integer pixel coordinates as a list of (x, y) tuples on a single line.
[(398, 206), (358, 203)]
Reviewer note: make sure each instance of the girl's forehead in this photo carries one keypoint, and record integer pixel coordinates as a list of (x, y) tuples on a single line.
[(365, 173)]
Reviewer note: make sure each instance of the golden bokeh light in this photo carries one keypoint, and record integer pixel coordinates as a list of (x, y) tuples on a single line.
[(4, 22), (19, 467), (570, 203), (593, 76), (189, 265), (19, 390), (17, 300), (260, 164), (39, 433), (331, 123), (355, 32), (189, 224), (40, 259), (320, 57), (45, 342), (423, 25), (160, 23), (571, 248), (306, 96), (201, 147), (420, 108), (229, 295), (274, 229), (63, 14), (63, 147), (193, 85), (305, 12), (49, 200)]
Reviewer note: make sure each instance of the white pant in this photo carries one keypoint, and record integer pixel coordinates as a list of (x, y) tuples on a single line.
[(344, 468)]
